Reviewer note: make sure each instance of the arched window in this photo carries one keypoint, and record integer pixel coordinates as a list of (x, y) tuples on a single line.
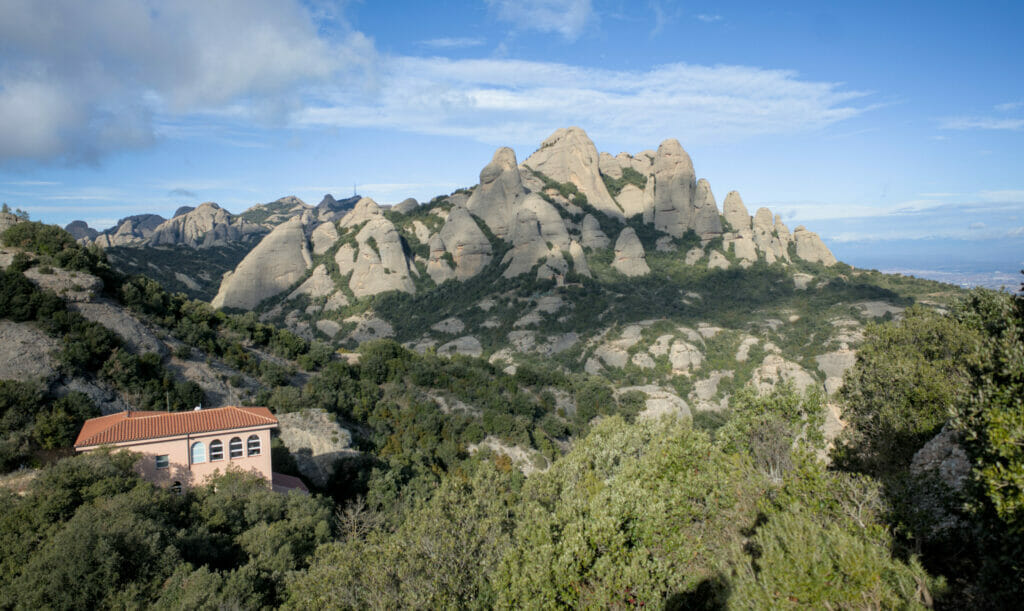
[(253, 445), (216, 450), (198, 452), (236, 447)]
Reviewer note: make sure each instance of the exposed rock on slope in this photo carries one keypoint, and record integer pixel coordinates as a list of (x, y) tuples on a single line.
[(500, 187), (674, 186), (130, 230), (80, 230), (364, 210), (465, 242), (629, 254), (569, 156), (593, 237), (277, 262), (206, 226), (735, 212), (381, 264), (809, 247)]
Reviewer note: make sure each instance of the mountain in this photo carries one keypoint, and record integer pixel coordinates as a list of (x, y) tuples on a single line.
[(620, 266)]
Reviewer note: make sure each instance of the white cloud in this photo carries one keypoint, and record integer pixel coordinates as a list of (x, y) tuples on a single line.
[(565, 17), (500, 101), (452, 43), (79, 79), (709, 18), (990, 123), (1008, 106)]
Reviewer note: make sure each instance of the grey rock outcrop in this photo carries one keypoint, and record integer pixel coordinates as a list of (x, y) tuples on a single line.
[(674, 186), (80, 230), (319, 284), (632, 200), (592, 236), (735, 212), (501, 186), (809, 247), (529, 247), (765, 238), (569, 156), (609, 165), (381, 264), (129, 231), (629, 254), (405, 206), (579, 259), (466, 243), (277, 262), (25, 352), (330, 209), (316, 441), (324, 236), (717, 260), (552, 228), (364, 210), (437, 265), (206, 226), (137, 336), (706, 220)]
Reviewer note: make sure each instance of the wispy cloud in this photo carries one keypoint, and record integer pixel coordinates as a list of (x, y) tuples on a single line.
[(182, 193), (32, 183), (502, 101), (565, 17), (707, 18), (989, 123), (1008, 106), (452, 43)]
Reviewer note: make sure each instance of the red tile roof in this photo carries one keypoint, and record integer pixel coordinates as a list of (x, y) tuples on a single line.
[(283, 483), (135, 426)]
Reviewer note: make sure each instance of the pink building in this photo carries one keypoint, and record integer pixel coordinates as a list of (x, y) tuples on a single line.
[(183, 449)]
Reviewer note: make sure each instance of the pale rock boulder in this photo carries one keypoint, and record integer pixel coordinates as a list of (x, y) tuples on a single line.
[(809, 247), (529, 247), (629, 254), (707, 223), (364, 210), (346, 259), (765, 239), (591, 234), (674, 185), (660, 402), (775, 369), (834, 366), (494, 199), (323, 237), (642, 162), (316, 441), (336, 301), (8, 220), (466, 242), (384, 268), (631, 199), (205, 226), (80, 230), (642, 360), (277, 262), (665, 244), (569, 156), (685, 357), (450, 325), (130, 231), (552, 227), (742, 244), (717, 261), (693, 255), (609, 165), (421, 232), (467, 345), (579, 259), (735, 212), (328, 327), (437, 266), (406, 206), (782, 231), (319, 284), (26, 352)]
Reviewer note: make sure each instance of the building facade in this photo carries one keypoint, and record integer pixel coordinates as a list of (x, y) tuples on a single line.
[(183, 449)]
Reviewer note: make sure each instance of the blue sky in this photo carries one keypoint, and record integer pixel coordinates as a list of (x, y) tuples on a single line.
[(884, 126)]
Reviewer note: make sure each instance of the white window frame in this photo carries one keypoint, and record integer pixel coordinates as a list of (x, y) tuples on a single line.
[(249, 450)]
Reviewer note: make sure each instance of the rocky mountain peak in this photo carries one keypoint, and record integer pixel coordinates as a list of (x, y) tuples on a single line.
[(500, 188), (569, 156)]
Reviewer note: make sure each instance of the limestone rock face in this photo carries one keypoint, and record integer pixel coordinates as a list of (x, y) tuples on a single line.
[(131, 230), (529, 247), (406, 206), (501, 186), (206, 226), (579, 259), (552, 228), (324, 236), (592, 236), (694, 254), (717, 260), (381, 264), (631, 198), (137, 336), (281, 258), (346, 259), (809, 247), (629, 254), (742, 244), (466, 242), (735, 212), (569, 156), (675, 185), (316, 441), (775, 369), (26, 352), (437, 266), (609, 165), (765, 238), (706, 220), (685, 357), (319, 284), (364, 210), (80, 230), (9, 220)]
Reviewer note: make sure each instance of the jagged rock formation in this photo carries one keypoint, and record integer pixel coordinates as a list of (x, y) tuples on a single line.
[(205, 226), (499, 189), (674, 187), (80, 230), (380, 264), (809, 247), (330, 209), (465, 242), (405, 206), (579, 259), (130, 230), (364, 210), (593, 237), (529, 247), (735, 212), (276, 263), (629, 254), (569, 156), (323, 237)]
